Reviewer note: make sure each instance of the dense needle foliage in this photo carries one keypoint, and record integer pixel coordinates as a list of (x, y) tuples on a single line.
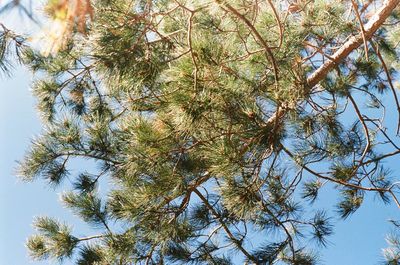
[(211, 129)]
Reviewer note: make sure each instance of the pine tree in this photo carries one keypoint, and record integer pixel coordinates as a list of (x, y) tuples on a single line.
[(215, 125)]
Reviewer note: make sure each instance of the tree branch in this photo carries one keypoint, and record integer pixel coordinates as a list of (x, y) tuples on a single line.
[(354, 42)]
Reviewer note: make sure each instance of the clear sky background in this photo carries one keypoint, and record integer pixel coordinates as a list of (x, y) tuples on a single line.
[(357, 240), (19, 123)]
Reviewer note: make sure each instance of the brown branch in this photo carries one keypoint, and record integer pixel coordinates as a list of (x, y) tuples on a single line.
[(90, 238), (192, 53), (355, 7), (257, 35), (365, 127), (354, 42), (278, 22), (331, 179), (318, 49), (389, 78), (237, 242), (365, 6)]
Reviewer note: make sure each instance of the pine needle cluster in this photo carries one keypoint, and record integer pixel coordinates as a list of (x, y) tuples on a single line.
[(213, 128)]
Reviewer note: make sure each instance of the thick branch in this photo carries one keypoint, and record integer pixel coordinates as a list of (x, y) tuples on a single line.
[(354, 42)]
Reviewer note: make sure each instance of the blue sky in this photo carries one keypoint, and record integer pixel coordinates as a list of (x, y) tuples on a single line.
[(19, 202)]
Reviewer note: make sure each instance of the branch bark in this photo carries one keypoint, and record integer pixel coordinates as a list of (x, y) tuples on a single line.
[(354, 42)]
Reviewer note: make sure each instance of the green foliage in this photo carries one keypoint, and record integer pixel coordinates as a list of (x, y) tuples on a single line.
[(55, 240), (12, 48), (392, 253), (310, 190), (89, 255), (86, 206), (206, 132), (350, 202)]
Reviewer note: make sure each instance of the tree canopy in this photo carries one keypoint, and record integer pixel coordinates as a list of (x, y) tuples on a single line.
[(214, 125)]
